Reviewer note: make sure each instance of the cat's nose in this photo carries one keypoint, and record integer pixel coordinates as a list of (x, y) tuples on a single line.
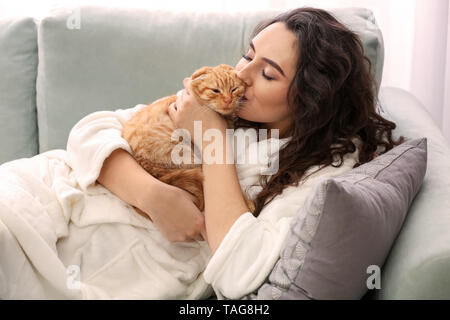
[(227, 101)]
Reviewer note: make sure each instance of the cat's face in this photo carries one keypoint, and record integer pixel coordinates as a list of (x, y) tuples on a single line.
[(218, 87)]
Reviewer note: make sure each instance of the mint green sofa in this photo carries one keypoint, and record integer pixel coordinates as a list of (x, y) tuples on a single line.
[(55, 71)]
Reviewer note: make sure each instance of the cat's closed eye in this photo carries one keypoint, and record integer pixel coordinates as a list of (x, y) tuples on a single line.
[(234, 89), (216, 90)]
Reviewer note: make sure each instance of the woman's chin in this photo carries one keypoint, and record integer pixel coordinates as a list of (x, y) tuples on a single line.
[(247, 113), (244, 114)]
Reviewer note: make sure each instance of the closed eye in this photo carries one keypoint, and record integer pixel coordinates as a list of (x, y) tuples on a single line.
[(246, 57), (234, 89), (263, 73), (216, 90), (266, 76)]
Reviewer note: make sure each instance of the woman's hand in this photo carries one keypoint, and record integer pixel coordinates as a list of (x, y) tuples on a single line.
[(187, 109), (174, 214), (171, 209)]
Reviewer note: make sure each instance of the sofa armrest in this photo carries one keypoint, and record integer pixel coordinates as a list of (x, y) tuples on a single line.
[(419, 262)]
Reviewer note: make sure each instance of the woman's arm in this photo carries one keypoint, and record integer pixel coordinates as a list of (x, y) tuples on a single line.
[(224, 202), (170, 208), (124, 177), (245, 248), (97, 152)]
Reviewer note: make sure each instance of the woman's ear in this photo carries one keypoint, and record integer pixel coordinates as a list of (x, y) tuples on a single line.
[(200, 72)]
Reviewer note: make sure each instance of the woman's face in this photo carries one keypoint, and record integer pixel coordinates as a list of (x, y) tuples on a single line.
[(268, 68)]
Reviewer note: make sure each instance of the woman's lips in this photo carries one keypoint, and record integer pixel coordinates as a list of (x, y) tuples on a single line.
[(242, 102)]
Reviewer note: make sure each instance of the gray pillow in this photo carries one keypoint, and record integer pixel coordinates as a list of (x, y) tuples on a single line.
[(350, 224)]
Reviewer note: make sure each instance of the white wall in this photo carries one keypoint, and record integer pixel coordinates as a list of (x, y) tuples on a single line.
[(446, 108), (427, 78)]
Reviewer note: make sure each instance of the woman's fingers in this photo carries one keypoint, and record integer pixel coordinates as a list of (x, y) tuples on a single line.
[(187, 85), (142, 213), (172, 110), (200, 237), (204, 236), (176, 216)]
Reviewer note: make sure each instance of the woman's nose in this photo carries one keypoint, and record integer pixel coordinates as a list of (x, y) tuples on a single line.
[(244, 75)]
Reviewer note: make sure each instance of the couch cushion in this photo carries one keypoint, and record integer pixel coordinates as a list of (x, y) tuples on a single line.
[(118, 58), (18, 68), (419, 263), (348, 225), (362, 22)]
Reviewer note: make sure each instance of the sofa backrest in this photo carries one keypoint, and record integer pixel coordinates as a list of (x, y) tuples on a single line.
[(18, 68), (118, 58), (96, 58)]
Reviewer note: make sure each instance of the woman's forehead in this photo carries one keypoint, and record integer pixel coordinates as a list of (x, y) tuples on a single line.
[(279, 44)]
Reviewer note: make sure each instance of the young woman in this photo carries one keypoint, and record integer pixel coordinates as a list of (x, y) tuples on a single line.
[(307, 77)]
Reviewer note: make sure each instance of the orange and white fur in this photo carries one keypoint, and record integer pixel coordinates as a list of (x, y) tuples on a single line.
[(149, 131)]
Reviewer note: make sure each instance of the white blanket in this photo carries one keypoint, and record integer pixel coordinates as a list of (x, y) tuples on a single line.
[(57, 242)]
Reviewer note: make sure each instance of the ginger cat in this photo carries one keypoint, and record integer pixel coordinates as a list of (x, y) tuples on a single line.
[(149, 131)]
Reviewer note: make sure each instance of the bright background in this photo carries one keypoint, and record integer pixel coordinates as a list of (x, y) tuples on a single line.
[(416, 35)]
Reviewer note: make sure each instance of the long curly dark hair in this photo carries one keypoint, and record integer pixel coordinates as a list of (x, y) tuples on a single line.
[(332, 97)]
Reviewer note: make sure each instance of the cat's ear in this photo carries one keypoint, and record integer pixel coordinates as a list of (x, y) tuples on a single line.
[(200, 72)]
